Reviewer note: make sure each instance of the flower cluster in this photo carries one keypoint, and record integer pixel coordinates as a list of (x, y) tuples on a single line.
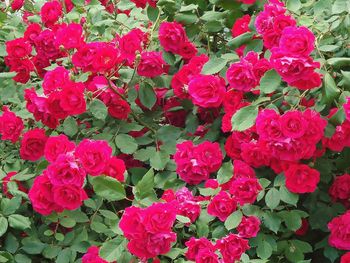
[(195, 163), (290, 46), (187, 204), (173, 38), (149, 230), (245, 75), (61, 184), (231, 248)]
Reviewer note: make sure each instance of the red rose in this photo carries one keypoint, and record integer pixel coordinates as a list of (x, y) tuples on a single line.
[(50, 13), (69, 36), (116, 169), (345, 258), (93, 155), (11, 126), (245, 190), (66, 171), (33, 144), (207, 91), (92, 256), (55, 80), (340, 232), (159, 217), (68, 197), (249, 227), (232, 247), (196, 245), (171, 36), (57, 145), (340, 189), (207, 256), (17, 4), (304, 228), (41, 196), (18, 48), (72, 98), (293, 124), (241, 26), (300, 178), (152, 64), (222, 205), (297, 41)]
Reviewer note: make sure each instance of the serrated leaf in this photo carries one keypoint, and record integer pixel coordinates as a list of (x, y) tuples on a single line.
[(108, 188), (272, 198), (233, 220), (98, 109), (244, 118), (126, 143), (270, 82), (214, 65), (225, 173)]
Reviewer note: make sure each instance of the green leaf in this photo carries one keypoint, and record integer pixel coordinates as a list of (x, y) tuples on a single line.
[(270, 82), (233, 220), (126, 143), (145, 186), (293, 5), (19, 222), (340, 6), (292, 219), (272, 221), (330, 90), (107, 187), (272, 198), (264, 249), (147, 95), (225, 173), (288, 197), (98, 109), (112, 249), (152, 13), (3, 225), (339, 62), (70, 126), (159, 160), (183, 219), (240, 40), (244, 118), (214, 65), (7, 75), (328, 48)]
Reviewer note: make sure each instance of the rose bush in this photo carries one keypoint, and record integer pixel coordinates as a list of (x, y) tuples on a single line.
[(175, 131)]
